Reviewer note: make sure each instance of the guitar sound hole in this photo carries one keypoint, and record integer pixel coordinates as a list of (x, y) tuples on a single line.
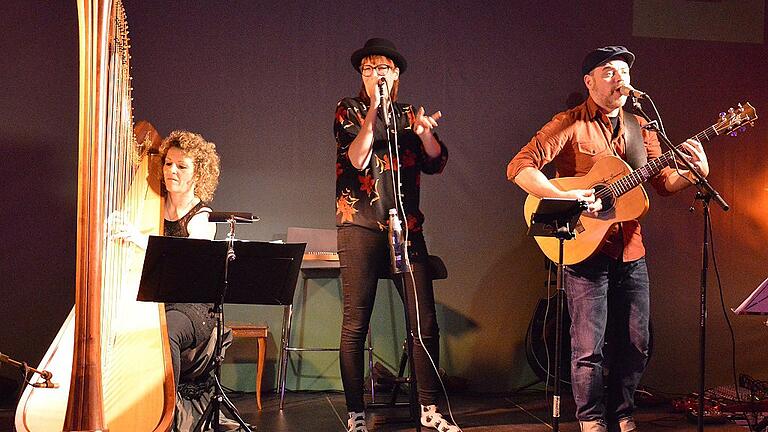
[(607, 197)]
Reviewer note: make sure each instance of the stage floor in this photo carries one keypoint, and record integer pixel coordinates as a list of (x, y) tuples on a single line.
[(325, 411)]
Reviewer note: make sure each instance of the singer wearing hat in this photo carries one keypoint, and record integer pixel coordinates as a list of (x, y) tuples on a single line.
[(608, 293), (381, 144)]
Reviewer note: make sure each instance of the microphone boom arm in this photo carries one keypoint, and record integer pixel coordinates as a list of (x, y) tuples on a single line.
[(44, 374)]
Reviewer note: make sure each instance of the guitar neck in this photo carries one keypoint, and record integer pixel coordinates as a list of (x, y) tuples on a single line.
[(645, 172)]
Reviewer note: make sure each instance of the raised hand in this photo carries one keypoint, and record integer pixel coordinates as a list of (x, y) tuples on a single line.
[(423, 124)]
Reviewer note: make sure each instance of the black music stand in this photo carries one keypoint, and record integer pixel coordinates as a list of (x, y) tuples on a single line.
[(557, 217), (184, 270)]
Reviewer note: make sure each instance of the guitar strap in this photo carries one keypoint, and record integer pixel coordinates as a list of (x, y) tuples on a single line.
[(635, 148)]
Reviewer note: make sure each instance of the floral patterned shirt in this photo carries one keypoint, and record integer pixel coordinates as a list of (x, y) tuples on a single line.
[(364, 197)]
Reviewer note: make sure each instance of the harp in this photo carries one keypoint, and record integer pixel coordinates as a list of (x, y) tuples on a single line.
[(111, 357)]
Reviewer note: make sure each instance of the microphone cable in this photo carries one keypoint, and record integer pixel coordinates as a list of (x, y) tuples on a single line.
[(396, 179)]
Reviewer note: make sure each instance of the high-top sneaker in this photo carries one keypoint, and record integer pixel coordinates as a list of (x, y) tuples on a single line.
[(433, 419), (627, 424), (356, 422)]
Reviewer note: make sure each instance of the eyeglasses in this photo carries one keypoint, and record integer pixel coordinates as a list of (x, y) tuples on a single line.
[(381, 70)]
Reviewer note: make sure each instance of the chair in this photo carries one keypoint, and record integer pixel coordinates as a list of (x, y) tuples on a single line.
[(321, 261), (260, 332)]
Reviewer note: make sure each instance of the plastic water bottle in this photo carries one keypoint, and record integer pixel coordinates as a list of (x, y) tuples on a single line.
[(398, 249)]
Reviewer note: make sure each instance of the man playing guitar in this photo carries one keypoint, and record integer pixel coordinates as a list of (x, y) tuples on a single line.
[(608, 292)]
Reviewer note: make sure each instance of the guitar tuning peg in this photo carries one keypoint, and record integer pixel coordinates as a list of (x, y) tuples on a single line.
[(743, 129), (730, 110), (722, 115), (733, 134)]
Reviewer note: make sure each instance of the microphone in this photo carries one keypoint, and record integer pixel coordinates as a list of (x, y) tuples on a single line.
[(45, 384), (384, 100), (239, 217), (628, 90)]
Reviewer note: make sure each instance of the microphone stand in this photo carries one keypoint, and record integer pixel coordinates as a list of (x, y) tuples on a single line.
[(701, 182), (44, 374), (391, 130), (557, 218), (563, 233), (211, 415), (705, 194)]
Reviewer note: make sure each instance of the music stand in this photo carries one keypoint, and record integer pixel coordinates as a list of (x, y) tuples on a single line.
[(557, 217), (184, 270), (756, 303)]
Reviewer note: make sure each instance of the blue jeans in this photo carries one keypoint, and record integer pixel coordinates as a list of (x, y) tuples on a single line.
[(609, 304)]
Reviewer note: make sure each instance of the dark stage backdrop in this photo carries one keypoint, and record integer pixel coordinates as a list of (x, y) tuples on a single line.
[(261, 80)]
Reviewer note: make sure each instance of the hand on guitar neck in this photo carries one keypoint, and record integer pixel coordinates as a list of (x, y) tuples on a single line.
[(694, 153)]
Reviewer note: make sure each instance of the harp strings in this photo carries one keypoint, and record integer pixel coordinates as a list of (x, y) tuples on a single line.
[(121, 159)]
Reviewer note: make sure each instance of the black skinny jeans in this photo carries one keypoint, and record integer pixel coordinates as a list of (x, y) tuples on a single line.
[(364, 257)]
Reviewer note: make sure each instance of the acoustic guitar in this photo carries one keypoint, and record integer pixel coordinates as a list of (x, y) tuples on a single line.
[(620, 189)]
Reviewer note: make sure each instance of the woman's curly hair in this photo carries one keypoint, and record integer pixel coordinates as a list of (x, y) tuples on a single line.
[(204, 155)]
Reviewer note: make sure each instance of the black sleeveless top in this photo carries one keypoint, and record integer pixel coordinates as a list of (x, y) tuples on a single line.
[(199, 313)]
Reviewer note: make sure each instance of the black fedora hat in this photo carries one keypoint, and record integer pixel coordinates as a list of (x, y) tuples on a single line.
[(379, 46), (601, 56)]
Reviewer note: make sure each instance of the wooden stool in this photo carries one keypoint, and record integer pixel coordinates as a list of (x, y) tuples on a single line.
[(258, 331)]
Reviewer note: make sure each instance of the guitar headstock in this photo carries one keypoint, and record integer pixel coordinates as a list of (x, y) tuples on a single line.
[(736, 119)]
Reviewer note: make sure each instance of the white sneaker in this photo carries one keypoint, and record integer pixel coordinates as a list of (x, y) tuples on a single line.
[(627, 424), (433, 419), (356, 422)]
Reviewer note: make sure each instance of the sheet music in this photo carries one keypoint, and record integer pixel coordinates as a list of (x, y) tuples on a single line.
[(756, 303)]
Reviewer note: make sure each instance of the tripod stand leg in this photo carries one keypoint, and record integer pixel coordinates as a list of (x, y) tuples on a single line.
[(205, 420), (233, 412), (400, 373), (285, 342), (413, 395), (527, 386), (211, 417)]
